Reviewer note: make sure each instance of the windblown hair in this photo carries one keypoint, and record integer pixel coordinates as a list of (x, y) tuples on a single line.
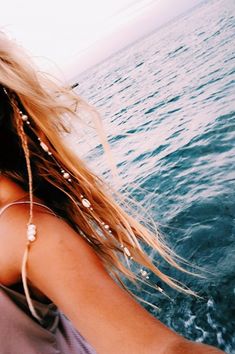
[(47, 105)]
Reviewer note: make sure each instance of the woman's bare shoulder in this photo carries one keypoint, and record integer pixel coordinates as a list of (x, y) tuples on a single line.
[(13, 227)]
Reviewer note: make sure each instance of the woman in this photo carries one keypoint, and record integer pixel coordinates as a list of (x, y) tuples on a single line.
[(64, 240)]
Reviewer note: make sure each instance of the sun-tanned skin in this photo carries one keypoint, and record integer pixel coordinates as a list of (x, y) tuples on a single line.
[(64, 268)]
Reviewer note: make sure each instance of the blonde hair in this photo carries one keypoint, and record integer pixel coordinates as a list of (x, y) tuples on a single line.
[(41, 99)]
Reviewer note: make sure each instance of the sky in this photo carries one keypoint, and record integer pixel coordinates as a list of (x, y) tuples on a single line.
[(67, 37)]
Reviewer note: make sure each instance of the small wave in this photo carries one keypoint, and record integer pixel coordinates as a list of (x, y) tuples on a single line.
[(138, 65), (171, 54)]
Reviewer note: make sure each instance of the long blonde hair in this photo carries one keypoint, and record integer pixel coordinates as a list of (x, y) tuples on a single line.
[(47, 105)]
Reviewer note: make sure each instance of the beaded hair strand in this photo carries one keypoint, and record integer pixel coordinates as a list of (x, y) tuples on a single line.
[(31, 228), (21, 119)]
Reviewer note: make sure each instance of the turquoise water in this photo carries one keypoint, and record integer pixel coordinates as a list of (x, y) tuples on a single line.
[(169, 112)]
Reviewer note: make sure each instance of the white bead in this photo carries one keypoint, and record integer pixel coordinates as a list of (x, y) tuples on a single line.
[(31, 227), (24, 117), (31, 238), (106, 227), (143, 273), (66, 175), (127, 252), (44, 146), (86, 203)]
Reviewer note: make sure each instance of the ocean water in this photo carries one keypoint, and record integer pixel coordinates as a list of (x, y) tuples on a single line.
[(168, 107)]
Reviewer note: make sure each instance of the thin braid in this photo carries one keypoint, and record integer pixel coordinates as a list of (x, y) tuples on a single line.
[(23, 137)]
